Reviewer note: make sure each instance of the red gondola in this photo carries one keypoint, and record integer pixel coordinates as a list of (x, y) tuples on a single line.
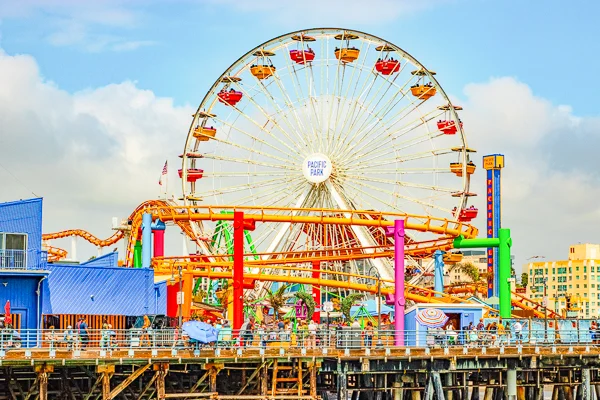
[(301, 56), (448, 127), (230, 97), (193, 174), (387, 67), (466, 214)]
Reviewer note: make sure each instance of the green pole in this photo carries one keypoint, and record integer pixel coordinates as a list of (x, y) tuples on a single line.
[(504, 272), (137, 254)]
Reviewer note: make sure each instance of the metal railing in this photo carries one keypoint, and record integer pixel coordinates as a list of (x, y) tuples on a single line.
[(23, 259), (344, 338)]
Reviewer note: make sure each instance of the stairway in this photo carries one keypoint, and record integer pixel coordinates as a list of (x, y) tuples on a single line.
[(287, 378)]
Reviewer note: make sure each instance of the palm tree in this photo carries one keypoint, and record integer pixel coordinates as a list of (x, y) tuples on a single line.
[(469, 269), (348, 302), (277, 299)]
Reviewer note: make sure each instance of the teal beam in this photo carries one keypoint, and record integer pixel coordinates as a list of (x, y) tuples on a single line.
[(503, 242)]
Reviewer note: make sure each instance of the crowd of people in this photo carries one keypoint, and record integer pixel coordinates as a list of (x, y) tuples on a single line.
[(474, 335)]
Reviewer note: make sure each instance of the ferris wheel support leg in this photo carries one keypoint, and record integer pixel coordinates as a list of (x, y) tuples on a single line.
[(238, 270), (316, 291), (438, 274), (400, 300)]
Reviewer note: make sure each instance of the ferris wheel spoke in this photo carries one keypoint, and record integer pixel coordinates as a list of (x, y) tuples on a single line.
[(394, 182), (296, 130), (379, 119), (370, 191), (396, 159), (254, 137), (348, 99), (382, 150), (357, 119), (378, 141), (249, 161)]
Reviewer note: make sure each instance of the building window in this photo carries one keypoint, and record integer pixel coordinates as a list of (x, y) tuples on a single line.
[(13, 250), (585, 285), (577, 286), (584, 268), (592, 267)]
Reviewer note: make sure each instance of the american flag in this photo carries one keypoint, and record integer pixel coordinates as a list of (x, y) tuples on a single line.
[(164, 172)]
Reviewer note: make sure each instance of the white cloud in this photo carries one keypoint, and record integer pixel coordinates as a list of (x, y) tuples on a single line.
[(550, 182), (92, 154)]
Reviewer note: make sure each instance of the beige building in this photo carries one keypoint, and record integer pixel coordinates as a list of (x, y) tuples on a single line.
[(576, 279), (455, 276)]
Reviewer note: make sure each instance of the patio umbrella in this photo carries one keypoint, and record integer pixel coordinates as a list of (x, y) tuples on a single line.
[(431, 317), (7, 317), (200, 331)]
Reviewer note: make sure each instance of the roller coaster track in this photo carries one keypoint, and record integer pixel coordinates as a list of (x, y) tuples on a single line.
[(184, 216), (517, 300)]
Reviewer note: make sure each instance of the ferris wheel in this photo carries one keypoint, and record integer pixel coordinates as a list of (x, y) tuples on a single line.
[(330, 119)]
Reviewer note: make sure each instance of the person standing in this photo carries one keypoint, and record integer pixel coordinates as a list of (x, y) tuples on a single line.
[(312, 334), (369, 334), (518, 327), (82, 330)]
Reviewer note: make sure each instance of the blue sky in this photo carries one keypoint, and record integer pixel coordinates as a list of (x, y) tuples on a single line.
[(96, 91), (177, 48)]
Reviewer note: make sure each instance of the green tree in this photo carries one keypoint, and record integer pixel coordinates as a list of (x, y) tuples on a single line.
[(469, 269), (524, 279)]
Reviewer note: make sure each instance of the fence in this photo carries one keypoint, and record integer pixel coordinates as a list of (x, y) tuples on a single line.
[(345, 338)]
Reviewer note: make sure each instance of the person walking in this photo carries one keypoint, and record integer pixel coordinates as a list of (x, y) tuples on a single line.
[(369, 334)]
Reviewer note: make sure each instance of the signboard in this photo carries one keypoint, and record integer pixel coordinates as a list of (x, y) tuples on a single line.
[(327, 306), (316, 168), (489, 212), (493, 164), (180, 297)]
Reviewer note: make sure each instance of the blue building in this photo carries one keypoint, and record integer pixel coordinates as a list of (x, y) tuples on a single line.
[(23, 265), (58, 293), (459, 314)]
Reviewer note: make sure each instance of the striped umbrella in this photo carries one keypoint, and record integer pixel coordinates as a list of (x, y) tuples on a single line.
[(431, 317)]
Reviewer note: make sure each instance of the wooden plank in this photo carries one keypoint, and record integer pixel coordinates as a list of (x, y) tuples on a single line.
[(127, 381)]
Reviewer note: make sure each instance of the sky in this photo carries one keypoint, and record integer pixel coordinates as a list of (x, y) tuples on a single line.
[(94, 96)]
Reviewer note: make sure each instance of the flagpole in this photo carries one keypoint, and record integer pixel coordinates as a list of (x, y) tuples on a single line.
[(167, 181)]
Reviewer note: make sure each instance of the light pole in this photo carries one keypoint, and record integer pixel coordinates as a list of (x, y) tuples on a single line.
[(378, 277)]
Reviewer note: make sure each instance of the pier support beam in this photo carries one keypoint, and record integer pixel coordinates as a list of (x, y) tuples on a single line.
[(107, 372), (42, 378), (586, 388), (511, 384), (437, 385), (397, 393), (342, 382), (161, 372)]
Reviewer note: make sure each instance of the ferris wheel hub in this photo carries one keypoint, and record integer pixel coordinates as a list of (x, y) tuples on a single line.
[(316, 168)]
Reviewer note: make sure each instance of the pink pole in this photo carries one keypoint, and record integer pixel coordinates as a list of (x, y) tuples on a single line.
[(400, 301), (159, 243)]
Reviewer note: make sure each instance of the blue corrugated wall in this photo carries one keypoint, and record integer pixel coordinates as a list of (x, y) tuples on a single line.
[(106, 261), (75, 289), (21, 291), (25, 216), (160, 293)]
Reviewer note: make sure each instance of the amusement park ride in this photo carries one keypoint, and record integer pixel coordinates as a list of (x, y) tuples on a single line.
[(319, 140)]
